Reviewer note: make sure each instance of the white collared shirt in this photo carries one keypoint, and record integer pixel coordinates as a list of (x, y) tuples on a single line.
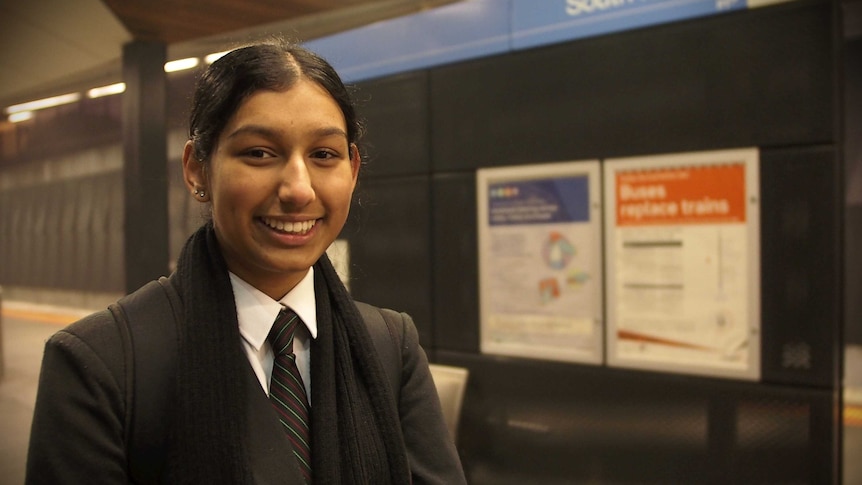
[(256, 312)]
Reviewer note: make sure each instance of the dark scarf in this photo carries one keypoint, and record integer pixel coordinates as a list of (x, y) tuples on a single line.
[(356, 435)]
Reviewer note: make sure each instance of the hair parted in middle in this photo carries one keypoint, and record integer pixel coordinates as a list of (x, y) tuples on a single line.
[(275, 65)]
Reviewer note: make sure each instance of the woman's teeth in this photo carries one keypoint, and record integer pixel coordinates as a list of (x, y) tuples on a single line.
[(290, 227)]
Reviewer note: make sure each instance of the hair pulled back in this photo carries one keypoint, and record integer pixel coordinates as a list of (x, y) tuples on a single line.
[(275, 66)]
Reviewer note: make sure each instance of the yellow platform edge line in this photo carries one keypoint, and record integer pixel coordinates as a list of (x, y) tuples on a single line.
[(42, 317), (852, 415)]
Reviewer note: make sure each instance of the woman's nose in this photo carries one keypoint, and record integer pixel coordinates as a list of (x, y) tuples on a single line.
[(295, 188)]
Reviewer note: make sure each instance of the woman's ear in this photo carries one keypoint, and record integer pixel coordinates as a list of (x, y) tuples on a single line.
[(194, 173), (355, 161)]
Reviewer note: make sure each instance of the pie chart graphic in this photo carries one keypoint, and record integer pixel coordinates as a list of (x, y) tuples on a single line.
[(558, 251)]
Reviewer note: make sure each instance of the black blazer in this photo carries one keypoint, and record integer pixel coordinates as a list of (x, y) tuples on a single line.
[(79, 431)]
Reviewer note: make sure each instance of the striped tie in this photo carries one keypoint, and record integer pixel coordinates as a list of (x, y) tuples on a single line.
[(286, 390)]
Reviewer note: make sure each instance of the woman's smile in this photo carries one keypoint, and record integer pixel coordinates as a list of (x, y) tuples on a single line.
[(288, 227)]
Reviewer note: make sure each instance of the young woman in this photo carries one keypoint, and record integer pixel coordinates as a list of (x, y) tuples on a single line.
[(197, 396)]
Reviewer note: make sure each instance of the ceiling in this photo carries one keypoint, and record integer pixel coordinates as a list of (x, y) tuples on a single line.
[(49, 47)]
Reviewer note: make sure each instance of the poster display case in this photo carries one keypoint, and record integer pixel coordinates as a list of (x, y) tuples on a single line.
[(682, 267), (540, 277)]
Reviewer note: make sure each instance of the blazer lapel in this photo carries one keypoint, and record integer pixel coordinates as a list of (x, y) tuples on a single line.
[(270, 452)]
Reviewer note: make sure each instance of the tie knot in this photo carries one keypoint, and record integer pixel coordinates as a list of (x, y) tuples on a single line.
[(281, 334)]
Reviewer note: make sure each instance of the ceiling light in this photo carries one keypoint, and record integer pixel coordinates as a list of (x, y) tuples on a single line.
[(20, 116), (181, 64), (108, 90), (44, 103), (210, 58)]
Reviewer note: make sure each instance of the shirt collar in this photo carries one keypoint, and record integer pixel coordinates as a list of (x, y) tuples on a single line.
[(256, 311)]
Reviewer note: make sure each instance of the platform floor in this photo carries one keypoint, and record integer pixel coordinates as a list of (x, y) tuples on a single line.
[(26, 327)]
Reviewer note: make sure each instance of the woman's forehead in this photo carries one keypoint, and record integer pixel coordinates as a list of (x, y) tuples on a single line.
[(305, 103)]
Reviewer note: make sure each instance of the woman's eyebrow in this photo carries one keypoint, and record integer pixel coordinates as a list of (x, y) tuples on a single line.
[(330, 131), (255, 130)]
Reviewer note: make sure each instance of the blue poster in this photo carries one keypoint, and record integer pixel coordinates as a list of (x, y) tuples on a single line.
[(539, 201)]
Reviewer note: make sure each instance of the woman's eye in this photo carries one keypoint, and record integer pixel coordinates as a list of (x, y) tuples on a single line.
[(257, 153), (323, 155)]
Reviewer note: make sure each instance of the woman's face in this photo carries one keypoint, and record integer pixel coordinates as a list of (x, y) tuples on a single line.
[(280, 180)]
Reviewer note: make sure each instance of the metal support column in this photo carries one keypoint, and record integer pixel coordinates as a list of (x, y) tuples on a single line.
[(145, 165)]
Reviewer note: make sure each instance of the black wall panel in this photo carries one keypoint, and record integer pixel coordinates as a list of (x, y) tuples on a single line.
[(755, 78), (800, 265), (456, 265), (395, 110), (390, 252)]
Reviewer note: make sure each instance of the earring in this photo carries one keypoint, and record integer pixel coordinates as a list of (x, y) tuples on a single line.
[(200, 193)]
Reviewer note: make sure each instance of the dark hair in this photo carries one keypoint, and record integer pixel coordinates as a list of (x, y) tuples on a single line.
[(275, 65)]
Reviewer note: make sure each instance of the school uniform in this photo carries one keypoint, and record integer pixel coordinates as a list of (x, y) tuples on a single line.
[(371, 422)]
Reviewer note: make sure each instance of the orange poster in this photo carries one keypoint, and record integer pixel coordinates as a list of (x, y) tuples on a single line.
[(682, 266), (697, 194)]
